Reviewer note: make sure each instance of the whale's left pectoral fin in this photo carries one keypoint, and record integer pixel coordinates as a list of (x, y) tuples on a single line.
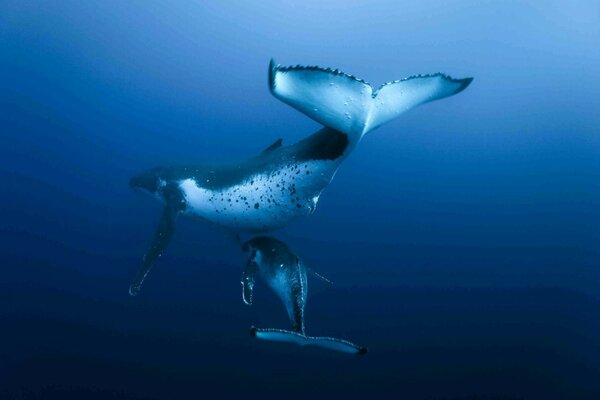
[(162, 237), (281, 335)]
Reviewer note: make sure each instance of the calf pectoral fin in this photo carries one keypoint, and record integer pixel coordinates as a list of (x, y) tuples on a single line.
[(248, 278), (281, 335), (335, 344), (162, 237)]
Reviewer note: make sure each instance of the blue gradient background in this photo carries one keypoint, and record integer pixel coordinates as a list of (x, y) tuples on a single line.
[(462, 238)]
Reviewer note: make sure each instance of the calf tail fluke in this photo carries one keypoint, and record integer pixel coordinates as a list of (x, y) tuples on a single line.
[(282, 335)]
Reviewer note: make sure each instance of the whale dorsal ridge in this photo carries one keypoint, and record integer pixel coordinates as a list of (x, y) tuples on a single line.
[(278, 143)]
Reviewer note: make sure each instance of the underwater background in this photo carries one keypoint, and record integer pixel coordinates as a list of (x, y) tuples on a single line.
[(463, 239)]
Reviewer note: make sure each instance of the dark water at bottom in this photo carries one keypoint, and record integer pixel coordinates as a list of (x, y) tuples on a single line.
[(425, 342)]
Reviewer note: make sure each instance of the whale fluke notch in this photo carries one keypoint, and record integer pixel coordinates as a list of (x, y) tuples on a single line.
[(285, 336), (350, 105)]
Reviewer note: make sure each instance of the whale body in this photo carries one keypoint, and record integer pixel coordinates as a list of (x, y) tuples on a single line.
[(260, 194), (285, 273), (284, 182), (282, 270)]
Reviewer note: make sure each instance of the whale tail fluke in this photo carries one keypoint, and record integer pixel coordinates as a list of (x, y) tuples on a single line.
[(282, 335), (350, 105)]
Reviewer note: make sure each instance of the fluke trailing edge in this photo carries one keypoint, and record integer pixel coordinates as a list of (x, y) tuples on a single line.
[(283, 182)]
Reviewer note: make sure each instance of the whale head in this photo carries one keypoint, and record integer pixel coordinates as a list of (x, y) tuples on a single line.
[(149, 181), (270, 256)]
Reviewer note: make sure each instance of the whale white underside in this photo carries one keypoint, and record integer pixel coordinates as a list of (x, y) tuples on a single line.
[(263, 201), (279, 282)]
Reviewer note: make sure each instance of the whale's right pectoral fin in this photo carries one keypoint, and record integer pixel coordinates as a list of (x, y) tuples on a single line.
[(162, 237)]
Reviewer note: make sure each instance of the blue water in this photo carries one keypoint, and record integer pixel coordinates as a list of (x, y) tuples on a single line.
[(463, 239)]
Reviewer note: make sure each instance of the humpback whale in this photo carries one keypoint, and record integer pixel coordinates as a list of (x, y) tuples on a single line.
[(285, 273), (284, 182)]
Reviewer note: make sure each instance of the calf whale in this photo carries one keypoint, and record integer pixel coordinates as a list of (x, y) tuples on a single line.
[(285, 273), (284, 182)]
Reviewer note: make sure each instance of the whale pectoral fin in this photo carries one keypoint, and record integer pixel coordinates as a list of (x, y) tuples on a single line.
[(340, 345), (248, 279), (350, 105), (281, 335), (278, 335), (162, 236)]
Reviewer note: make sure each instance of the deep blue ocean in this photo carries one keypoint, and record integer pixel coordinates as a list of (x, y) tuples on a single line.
[(463, 238)]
